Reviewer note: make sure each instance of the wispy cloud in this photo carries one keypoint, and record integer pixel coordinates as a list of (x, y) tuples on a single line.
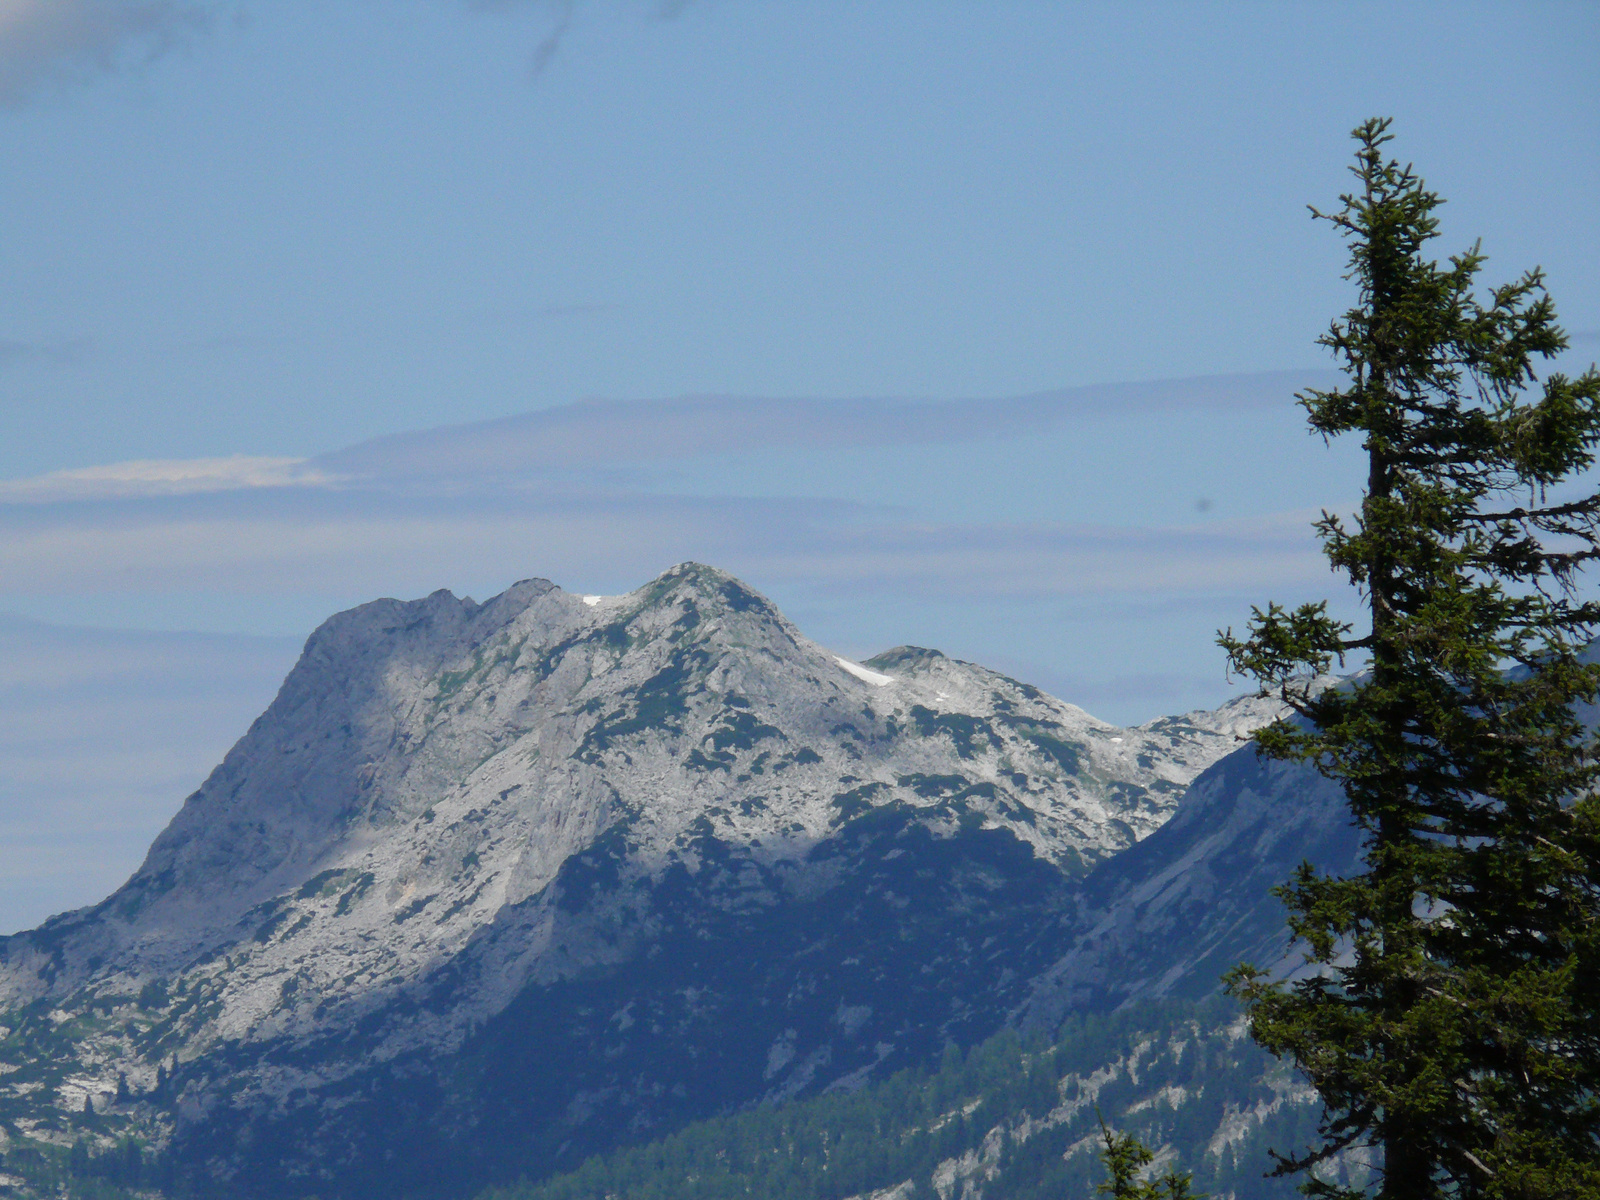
[(568, 494), (599, 434), (607, 432), (283, 541), (46, 42), (550, 45), (488, 455), (163, 477), (563, 16), (993, 560)]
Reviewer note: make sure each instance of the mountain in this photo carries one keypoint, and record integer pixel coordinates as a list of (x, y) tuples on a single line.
[(1168, 916), (1014, 1118), (490, 887)]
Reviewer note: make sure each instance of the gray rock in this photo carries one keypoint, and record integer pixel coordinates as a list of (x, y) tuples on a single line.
[(462, 830)]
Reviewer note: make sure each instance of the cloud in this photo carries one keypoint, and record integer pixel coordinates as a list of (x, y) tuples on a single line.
[(55, 42), (283, 541), (56, 354), (550, 45), (163, 477), (564, 14), (598, 433), (1052, 559), (551, 493), (544, 53), (532, 447), (44, 42)]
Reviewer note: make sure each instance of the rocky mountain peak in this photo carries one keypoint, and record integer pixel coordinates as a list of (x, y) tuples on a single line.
[(453, 807), (394, 702), (417, 736)]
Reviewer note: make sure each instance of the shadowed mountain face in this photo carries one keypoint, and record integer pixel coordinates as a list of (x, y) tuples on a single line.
[(1168, 917), (489, 887)]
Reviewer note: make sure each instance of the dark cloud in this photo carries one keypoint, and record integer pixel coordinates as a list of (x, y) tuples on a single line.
[(46, 43)]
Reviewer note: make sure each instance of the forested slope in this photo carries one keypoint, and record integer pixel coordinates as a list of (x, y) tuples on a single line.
[(1013, 1119)]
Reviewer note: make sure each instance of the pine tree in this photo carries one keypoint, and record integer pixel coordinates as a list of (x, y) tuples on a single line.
[(1453, 1019), (1124, 1157)]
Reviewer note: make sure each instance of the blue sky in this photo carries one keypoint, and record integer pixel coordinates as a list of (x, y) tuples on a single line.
[(880, 305)]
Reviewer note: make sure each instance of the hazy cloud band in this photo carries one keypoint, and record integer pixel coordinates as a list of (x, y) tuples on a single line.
[(409, 549)]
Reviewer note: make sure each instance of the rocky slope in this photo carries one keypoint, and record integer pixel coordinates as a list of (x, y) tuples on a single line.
[(1169, 916), (512, 880)]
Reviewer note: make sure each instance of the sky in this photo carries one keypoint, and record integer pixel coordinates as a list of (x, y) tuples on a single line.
[(972, 325)]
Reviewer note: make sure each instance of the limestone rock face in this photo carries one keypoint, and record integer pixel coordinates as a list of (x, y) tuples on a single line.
[(555, 868)]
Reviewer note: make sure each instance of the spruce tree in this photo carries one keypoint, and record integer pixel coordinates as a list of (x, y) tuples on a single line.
[(1125, 1157), (1451, 1017)]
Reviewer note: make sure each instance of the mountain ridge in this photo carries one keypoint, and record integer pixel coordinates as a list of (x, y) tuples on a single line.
[(459, 827)]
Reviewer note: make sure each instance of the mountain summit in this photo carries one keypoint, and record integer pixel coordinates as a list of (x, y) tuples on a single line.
[(494, 885)]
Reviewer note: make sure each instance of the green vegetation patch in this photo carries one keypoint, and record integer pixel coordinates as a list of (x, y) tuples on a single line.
[(856, 801), (931, 787), (699, 760), (1172, 1074), (278, 911), (740, 598), (902, 657), (1067, 755), (328, 883), (452, 682), (742, 731), (969, 733), (354, 893), (153, 994), (415, 907), (660, 703)]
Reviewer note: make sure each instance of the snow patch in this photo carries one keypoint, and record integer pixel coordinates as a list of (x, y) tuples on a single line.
[(591, 601), (861, 672)]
